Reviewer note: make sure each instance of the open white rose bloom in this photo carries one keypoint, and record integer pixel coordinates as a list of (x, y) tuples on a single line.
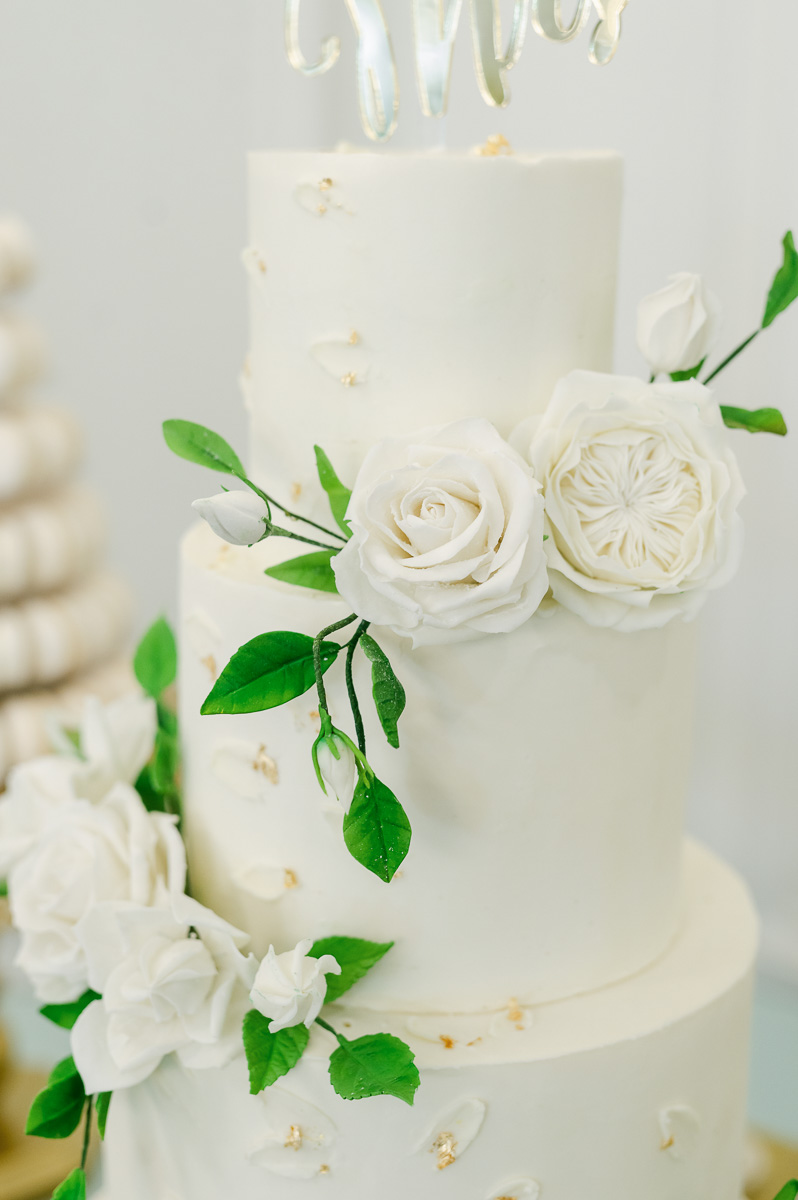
[(642, 492), (447, 536), (289, 988)]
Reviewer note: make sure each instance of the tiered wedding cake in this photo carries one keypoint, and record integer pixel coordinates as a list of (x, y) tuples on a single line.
[(573, 979), (63, 620)]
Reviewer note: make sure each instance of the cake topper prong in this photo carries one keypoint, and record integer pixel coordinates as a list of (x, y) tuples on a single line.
[(435, 25)]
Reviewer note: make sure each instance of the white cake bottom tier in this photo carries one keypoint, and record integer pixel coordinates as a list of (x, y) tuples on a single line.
[(636, 1092), (543, 772)]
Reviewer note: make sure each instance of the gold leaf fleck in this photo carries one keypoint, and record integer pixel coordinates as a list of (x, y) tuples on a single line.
[(668, 1142), (349, 379), (449, 1043), (354, 338), (291, 880), (294, 1139), (325, 185), (266, 765), (445, 1146), (210, 662)]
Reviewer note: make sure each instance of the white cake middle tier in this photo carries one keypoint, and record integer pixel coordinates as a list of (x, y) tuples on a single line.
[(543, 773)]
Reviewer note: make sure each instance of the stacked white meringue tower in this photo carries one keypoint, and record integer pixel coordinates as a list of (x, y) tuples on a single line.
[(63, 619), (565, 1007)]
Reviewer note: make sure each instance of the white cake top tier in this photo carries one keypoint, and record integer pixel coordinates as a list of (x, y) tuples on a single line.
[(391, 292)]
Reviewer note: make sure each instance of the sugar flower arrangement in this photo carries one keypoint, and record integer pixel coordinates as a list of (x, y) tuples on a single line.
[(619, 504), (121, 955)]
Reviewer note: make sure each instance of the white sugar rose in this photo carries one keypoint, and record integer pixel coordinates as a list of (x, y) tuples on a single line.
[(116, 742), (290, 989), (89, 853), (447, 536), (173, 979), (642, 491), (36, 791), (336, 766), (676, 326), (238, 517)]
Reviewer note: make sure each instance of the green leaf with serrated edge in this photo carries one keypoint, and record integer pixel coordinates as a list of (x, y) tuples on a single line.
[(308, 571), (66, 1015), (155, 660), (389, 695), (376, 829), (337, 494), (73, 1187), (784, 289), (354, 956), (268, 671), (758, 420), (58, 1108), (789, 1191), (202, 446), (271, 1055), (684, 376), (376, 1065), (102, 1104)]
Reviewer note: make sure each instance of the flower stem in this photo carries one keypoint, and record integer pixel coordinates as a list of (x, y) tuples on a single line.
[(317, 668), (350, 686), (743, 346), (330, 1029), (269, 501), (276, 531), (87, 1132)]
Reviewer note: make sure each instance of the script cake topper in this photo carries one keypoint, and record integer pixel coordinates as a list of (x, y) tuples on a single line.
[(435, 25)]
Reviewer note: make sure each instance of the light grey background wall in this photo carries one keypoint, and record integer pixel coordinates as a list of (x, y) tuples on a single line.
[(124, 126)]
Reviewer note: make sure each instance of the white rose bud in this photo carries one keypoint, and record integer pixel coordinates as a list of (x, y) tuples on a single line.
[(676, 326), (290, 989), (337, 768), (238, 517)]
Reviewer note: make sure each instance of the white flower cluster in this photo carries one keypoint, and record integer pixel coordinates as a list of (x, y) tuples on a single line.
[(622, 499), (96, 886)]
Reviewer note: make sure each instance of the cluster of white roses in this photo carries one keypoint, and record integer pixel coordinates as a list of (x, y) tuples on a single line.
[(96, 886), (621, 501)]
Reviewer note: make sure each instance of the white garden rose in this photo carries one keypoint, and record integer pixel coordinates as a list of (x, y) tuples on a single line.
[(173, 979), (116, 742), (35, 793), (87, 854), (290, 989), (676, 326), (238, 517), (447, 538), (642, 491)]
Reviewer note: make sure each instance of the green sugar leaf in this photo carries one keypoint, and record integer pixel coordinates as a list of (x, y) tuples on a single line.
[(199, 445), (354, 956), (389, 695), (271, 1055), (376, 1065), (102, 1104), (73, 1187), (337, 494), (376, 829), (165, 763), (309, 571), (57, 1110), (785, 286), (155, 661), (759, 420), (268, 671), (684, 376), (789, 1191), (66, 1015)]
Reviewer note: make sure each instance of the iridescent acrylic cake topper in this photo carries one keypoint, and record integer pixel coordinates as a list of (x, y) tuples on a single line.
[(435, 25)]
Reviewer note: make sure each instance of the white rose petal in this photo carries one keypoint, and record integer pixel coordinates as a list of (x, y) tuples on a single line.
[(447, 536), (36, 792), (676, 327), (642, 491), (290, 989), (88, 854), (173, 980), (238, 517), (117, 741)]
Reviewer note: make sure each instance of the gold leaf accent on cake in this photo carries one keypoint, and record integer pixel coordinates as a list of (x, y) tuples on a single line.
[(517, 1189), (291, 880), (448, 1043), (495, 145), (349, 379), (320, 198), (296, 491), (354, 338), (445, 1146), (210, 662), (680, 1127), (325, 185), (294, 1139), (266, 765), (324, 1169), (254, 262)]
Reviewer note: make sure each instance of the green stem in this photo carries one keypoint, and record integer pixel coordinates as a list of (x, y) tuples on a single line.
[(330, 1029), (653, 377), (87, 1132), (269, 501), (317, 641), (276, 531), (350, 687), (743, 346)]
